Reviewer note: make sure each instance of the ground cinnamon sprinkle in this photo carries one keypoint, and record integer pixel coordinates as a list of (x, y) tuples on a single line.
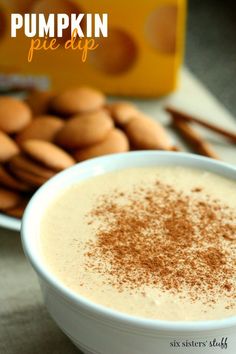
[(158, 236)]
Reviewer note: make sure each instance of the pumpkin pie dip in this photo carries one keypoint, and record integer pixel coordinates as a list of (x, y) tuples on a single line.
[(156, 242)]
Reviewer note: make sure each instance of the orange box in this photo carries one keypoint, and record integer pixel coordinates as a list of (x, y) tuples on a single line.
[(141, 56)]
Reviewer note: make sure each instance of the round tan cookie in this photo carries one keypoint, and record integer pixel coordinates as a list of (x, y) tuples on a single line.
[(8, 199), (122, 112), (85, 130), (24, 163), (43, 128), (10, 181), (18, 211), (145, 133), (33, 180), (77, 100), (48, 154), (14, 114), (116, 141), (38, 101), (8, 147)]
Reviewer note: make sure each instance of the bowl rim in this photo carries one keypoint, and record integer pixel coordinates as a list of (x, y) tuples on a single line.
[(96, 309)]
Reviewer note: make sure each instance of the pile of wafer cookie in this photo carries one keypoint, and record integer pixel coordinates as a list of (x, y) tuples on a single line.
[(50, 132)]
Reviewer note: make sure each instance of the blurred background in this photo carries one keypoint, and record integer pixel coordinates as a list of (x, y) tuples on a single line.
[(211, 47), (210, 43)]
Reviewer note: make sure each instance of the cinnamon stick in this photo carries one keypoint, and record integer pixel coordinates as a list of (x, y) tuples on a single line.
[(188, 118), (194, 139)]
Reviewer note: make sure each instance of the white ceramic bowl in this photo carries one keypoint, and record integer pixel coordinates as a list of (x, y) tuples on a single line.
[(97, 329)]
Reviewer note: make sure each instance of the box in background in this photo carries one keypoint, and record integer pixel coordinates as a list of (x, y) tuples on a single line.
[(141, 56)]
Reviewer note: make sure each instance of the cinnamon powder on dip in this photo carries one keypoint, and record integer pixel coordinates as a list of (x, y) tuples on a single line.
[(152, 242)]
